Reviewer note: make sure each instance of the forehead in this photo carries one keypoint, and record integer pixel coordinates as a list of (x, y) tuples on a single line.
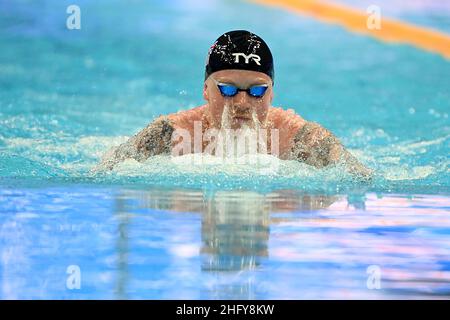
[(241, 77)]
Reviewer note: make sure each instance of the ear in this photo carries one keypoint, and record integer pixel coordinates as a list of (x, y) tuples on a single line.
[(205, 92)]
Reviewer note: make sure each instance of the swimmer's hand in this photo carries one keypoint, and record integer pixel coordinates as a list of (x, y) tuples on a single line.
[(317, 146)]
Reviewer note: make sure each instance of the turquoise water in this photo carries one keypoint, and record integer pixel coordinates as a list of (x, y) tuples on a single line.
[(166, 229)]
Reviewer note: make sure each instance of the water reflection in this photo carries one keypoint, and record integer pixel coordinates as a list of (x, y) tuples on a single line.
[(122, 248), (226, 245), (235, 232), (235, 225)]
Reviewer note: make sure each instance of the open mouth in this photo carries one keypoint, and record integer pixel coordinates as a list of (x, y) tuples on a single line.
[(239, 121), (242, 118)]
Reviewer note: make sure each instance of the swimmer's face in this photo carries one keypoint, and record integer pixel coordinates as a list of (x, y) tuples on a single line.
[(242, 108)]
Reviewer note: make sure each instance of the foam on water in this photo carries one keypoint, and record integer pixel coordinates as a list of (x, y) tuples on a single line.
[(81, 94), (74, 158), (40, 148)]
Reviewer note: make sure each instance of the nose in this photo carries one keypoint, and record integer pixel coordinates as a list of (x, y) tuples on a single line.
[(241, 102)]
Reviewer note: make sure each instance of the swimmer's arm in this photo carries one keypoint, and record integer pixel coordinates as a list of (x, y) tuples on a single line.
[(152, 140), (317, 146)]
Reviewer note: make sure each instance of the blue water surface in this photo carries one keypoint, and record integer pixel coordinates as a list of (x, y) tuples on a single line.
[(167, 230)]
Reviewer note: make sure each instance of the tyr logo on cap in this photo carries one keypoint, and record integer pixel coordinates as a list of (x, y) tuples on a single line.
[(239, 50), (255, 57)]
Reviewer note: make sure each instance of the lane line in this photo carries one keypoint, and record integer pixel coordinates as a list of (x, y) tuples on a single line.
[(392, 31)]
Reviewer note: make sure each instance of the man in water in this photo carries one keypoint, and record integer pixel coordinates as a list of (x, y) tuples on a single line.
[(238, 90)]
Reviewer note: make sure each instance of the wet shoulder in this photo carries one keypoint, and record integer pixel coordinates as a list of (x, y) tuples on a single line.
[(288, 123), (285, 119), (186, 118)]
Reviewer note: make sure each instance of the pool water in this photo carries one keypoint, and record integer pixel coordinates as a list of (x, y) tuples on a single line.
[(167, 229)]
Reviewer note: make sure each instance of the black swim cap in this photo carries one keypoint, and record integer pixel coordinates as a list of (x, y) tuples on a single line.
[(239, 49)]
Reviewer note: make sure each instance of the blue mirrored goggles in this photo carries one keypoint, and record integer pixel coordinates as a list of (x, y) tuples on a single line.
[(229, 90)]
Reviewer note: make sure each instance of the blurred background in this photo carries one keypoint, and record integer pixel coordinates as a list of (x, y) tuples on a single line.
[(161, 229)]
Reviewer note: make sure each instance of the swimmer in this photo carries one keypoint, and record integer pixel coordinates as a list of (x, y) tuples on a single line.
[(238, 90)]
